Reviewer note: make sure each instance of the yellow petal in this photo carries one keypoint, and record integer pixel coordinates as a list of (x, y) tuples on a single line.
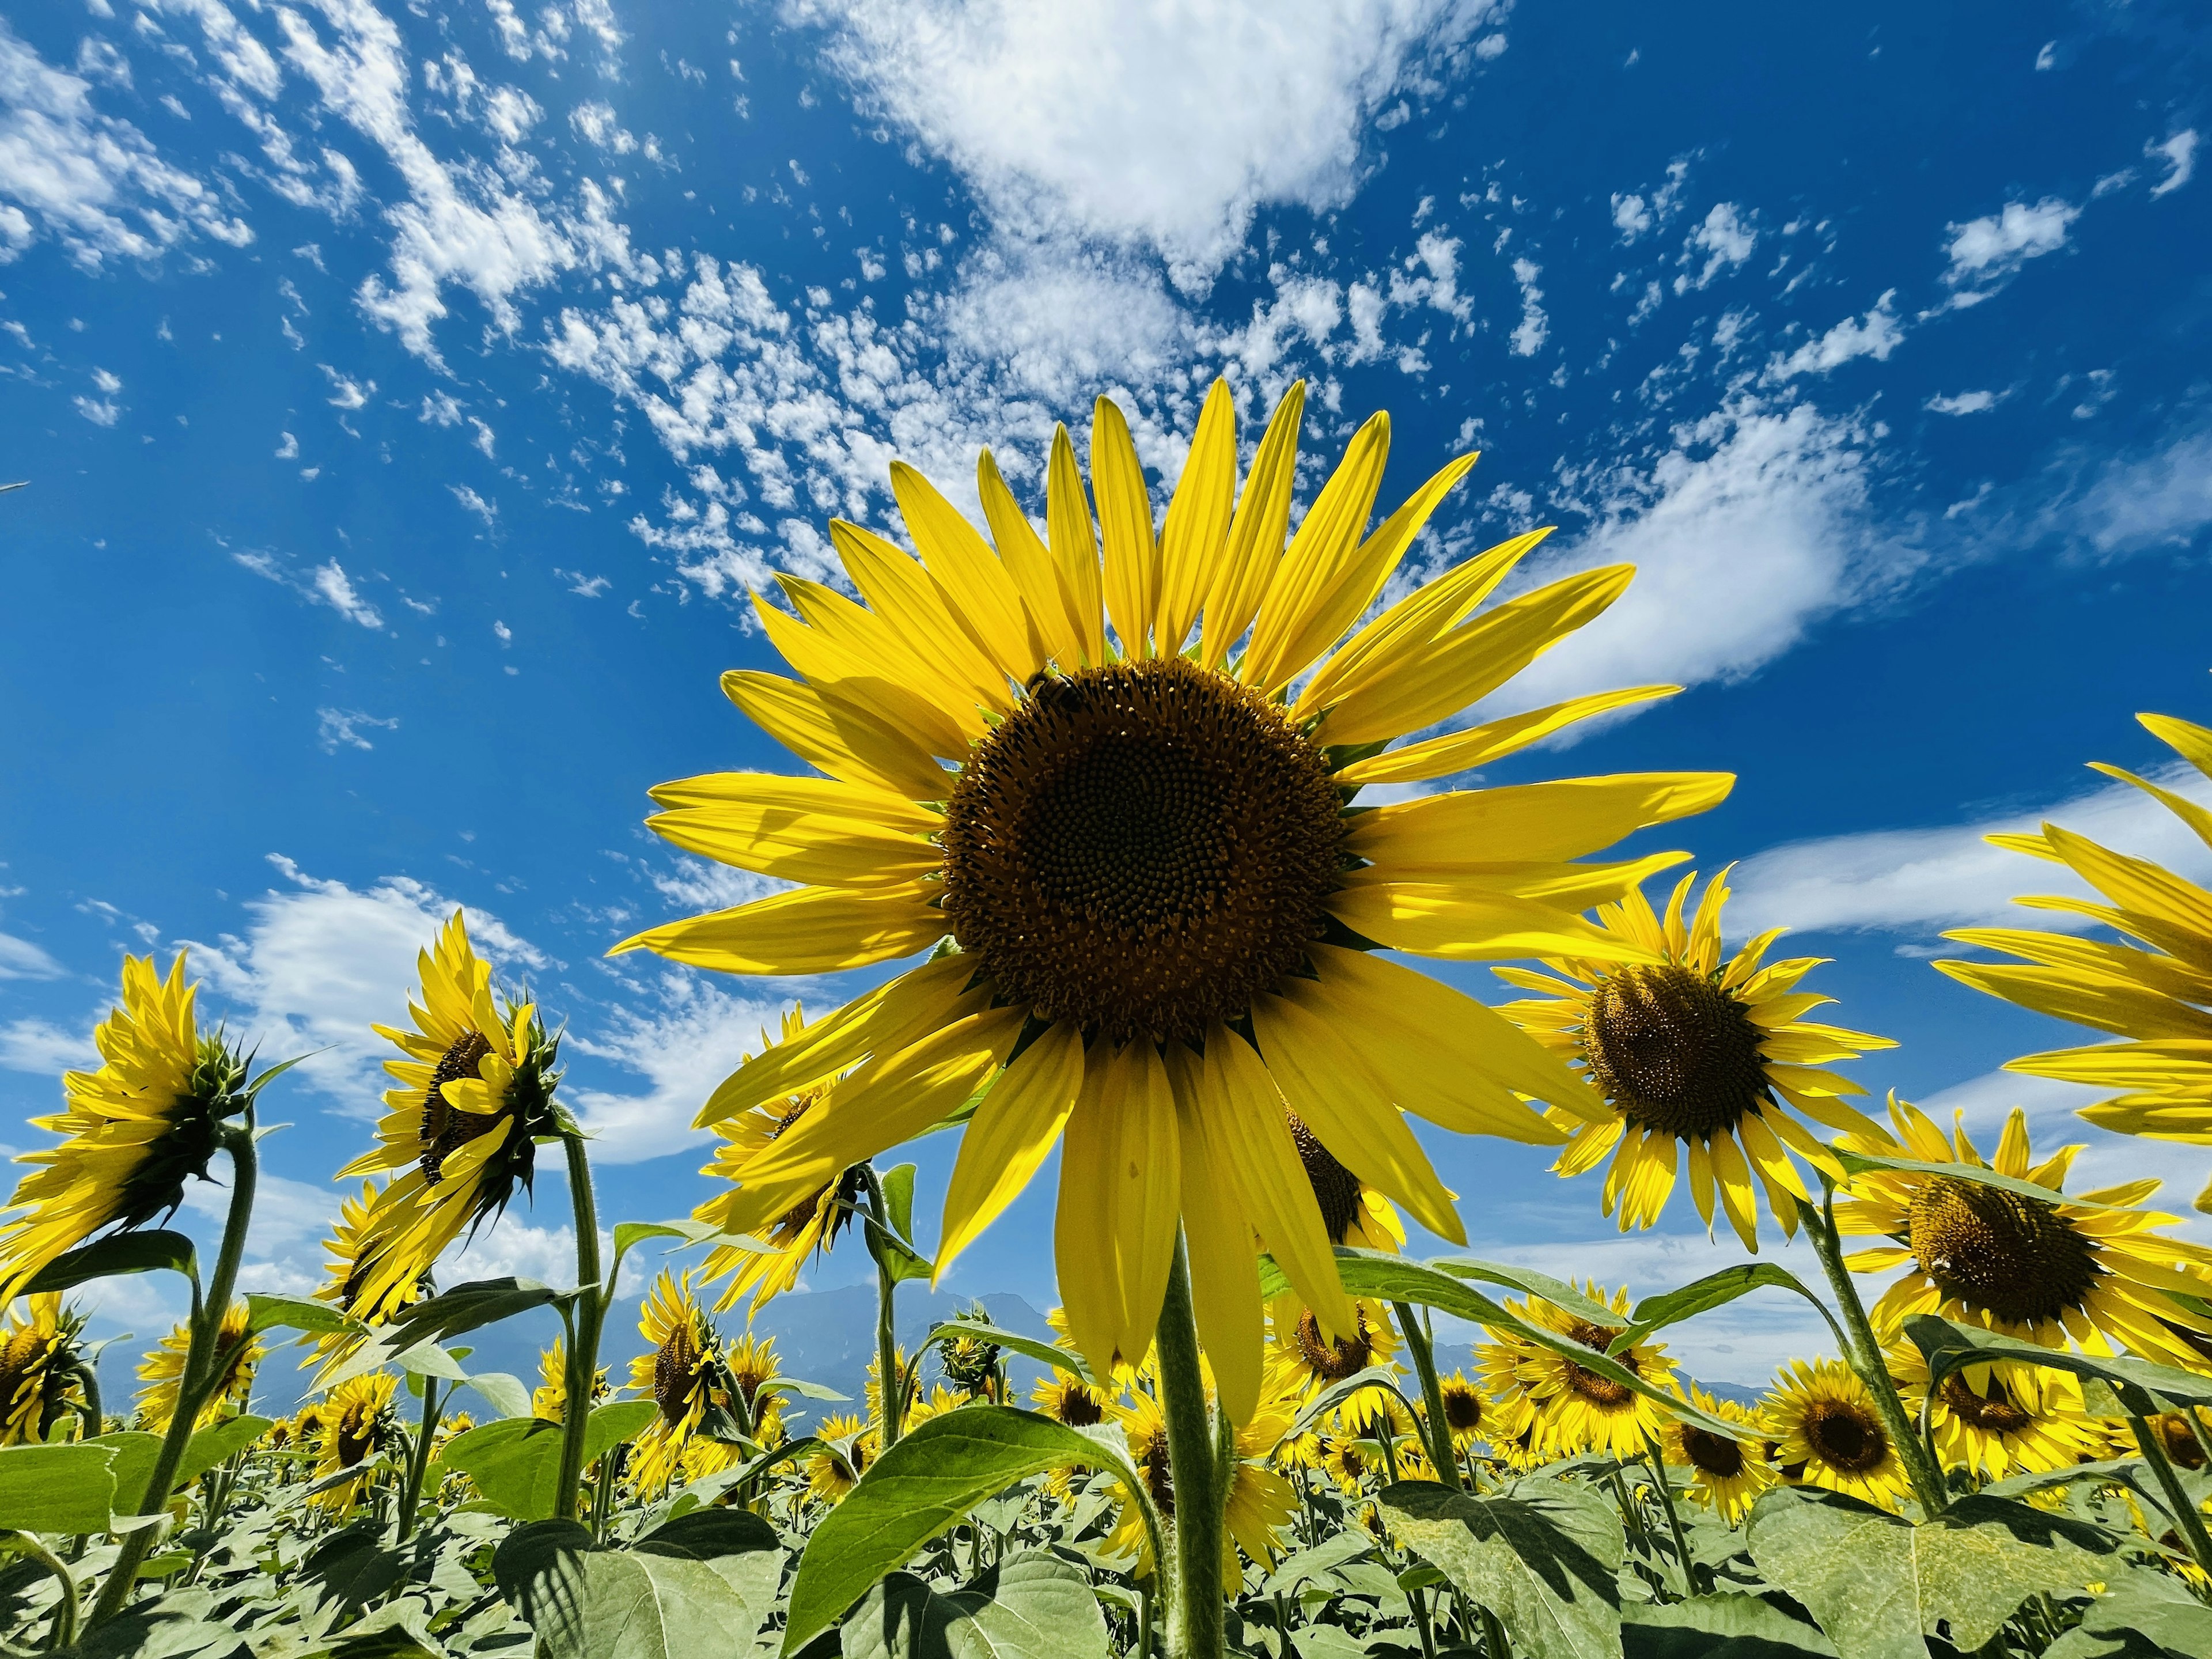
[(1317, 591), (1462, 752), (2123, 1010), (1225, 1276), (1563, 820), (1074, 544), (850, 646), (1197, 528), (914, 604), (1125, 1143), (1125, 525), (1045, 597), (1012, 1134), (809, 931), (1436, 920), (842, 738), (984, 595), (802, 847), (800, 795), (1255, 533)]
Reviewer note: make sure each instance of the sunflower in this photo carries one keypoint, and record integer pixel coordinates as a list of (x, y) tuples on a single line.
[(1696, 1058), (1259, 1501), (1163, 909), (1576, 1410), (356, 1420), (682, 1373), (1464, 1410), (548, 1402), (1352, 1212), (752, 1365), (342, 1276), (1070, 1399), (2176, 1438), (848, 1446), (1997, 1421), (163, 1371), (2091, 1268), (2159, 999), (39, 1360), (1727, 1475), (1829, 1434), (1303, 1363), (131, 1131), (475, 1090), (1512, 1428)]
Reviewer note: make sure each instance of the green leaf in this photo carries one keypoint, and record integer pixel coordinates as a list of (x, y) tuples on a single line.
[(2145, 1615), (1323, 1558), (701, 1585), (177, 1626), (428, 1360), (1949, 1345), (898, 1200), (923, 1486), (1877, 1583), (1718, 1627), (800, 1386), (68, 1489), (352, 1568), (1013, 1342), (135, 1453), (1557, 1292), (1656, 1313), (1384, 1378), (120, 1253), (464, 1307), (296, 1313), (1543, 1556), (1856, 1163), (508, 1395), (516, 1461), (1031, 1606)]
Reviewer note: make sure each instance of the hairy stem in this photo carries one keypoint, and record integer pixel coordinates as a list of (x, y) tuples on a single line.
[(592, 1298), (1440, 1458), (1195, 1623), (891, 1376)]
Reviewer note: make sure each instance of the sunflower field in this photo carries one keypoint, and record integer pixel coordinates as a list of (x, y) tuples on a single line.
[(1097, 788)]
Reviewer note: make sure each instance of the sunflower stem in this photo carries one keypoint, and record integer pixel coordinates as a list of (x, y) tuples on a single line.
[(1441, 1457), (1658, 1468), (1196, 1628), (592, 1298), (88, 1381), (891, 1376), (418, 1459), (2186, 1520), (65, 1608), (201, 1372), (1863, 1354), (1494, 1644)]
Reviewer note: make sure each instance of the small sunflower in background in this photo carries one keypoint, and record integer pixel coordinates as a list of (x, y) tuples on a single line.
[(1575, 1408), (238, 1352), (1352, 1212), (1827, 1433), (1511, 1428), (131, 1131), (803, 1232), (1998, 1421), (355, 1421), (40, 1352), (1726, 1474), (2159, 999), (1303, 1363), (682, 1373), (752, 1365), (549, 1401), (1070, 1399), (2181, 1436), (847, 1447), (1465, 1411), (970, 1364), (1699, 1057), (475, 1093), (342, 1280), (1259, 1501), (2091, 1268)]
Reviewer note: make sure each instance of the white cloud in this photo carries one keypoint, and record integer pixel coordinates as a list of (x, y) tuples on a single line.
[(1724, 239), (1630, 217), (2135, 503), (43, 1048), (1529, 333), (1982, 252), (93, 182), (291, 1219), (691, 1040), (341, 728), (337, 590), (346, 393), (475, 503), (289, 449), (327, 584), (2179, 155), (1875, 334), (511, 112), (1923, 881), (1964, 403), (595, 123), (440, 409), (21, 959), (99, 412), (1053, 114)]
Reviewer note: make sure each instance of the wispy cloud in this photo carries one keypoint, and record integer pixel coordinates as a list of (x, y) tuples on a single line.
[(1983, 254), (342, 728), (325, 584)]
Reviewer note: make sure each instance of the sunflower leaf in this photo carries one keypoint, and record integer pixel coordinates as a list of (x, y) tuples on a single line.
[(925, 1485), (135, 1452), (1374, 1376), (1861, 1163), (1031, 1606), (1557, 1292), (60, 1489), (508, 1395), (702, 1583), (1949, 1345), (465, 1308), (801, 1387), (1545, 1557), (1724, 1627), (296, 1314), (1656, 1313), (515, 1463), (1028, 1347), (120, 1253)]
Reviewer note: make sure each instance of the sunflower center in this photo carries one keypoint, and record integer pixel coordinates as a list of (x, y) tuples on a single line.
[(1994, 1411), (1335, 1189), (1152, 1459), (1601, 1391), (1845, 1435), (2018, 1257), (356, 1435), (1674, 1052), (1143, 848), (1713, 1455), (445, 1128), (674, 1365), (1079, 1407), (1463, 1408), (2179, 1442), (1332, 1361)]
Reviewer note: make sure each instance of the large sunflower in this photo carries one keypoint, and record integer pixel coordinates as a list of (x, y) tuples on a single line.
[(1259, 1504), (2090, 1267), (356, 1420), (682, 1373), (1698, 1057), (131, 1131), (1302, 1362), (163, 1371), (38, 1363), (2159, 999), (1161, 905), (1828, 1433), (2000, 1420), (1575, 1408), (475, 1090), (1726, 1475)]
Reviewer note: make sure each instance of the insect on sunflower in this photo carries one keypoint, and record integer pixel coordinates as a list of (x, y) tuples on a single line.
[(1162, 911), (1828, 1433), (1700, 1059)]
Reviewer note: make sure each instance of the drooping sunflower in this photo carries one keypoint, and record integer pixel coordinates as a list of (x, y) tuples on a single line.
[(2092, 1267), (475, 1090), (1576, 1409), (238, 1352), (1511, 1428), (356, 1420), (1302, 1362), (2000, 1420), (342, 1276), (131, 1131), (2181, 1442), (40, 1358), (1352, 1212), (752, 1365), (1259, 1502), (1827, 1433), (1726, 1474), (549, 1401), (848, 1446), (1698, 1058), (2159, 999), (682, 1373), (1161, 905)]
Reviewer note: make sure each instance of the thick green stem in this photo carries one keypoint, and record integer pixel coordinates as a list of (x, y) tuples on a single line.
[(2186, 1520), (1196, 1628), (418, 1459), (88, 1381), (1432, 1393), (1863, 1354), (1494, 1644), (1658, 1468), (891, 1376), (592, 1298), (65, 1608), (201, 1370)]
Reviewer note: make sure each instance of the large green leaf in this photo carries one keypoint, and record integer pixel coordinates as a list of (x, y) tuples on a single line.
[(1543, 1556), (57, 1488), (180, 1624), (1718, 1627), (1656, 1313), (1557, 1292), (1877, 1583), (296, 1313), (1032, 1606), (1384, 1377), (465, 1308), (352, 1567), (516, 1461), (2145, 1615), (508, 1395), (924, 1485), (701, 1585), (119, 1253), (135, 1453), (1949, 1345)]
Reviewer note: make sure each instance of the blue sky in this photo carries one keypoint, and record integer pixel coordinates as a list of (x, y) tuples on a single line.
[(408, 396)]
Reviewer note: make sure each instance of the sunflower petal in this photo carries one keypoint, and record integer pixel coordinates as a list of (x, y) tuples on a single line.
[(1124, 1144), (984, 595), (1224, 1271), (1316, 591), (808, 931), (1125, 524), (842, 738), (1436, 920), (1045, 596), (1011, 1134), (1197, 527), (1462, 752), (1074, 544), (1565, 819), (803, 847), (1255, 533)]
